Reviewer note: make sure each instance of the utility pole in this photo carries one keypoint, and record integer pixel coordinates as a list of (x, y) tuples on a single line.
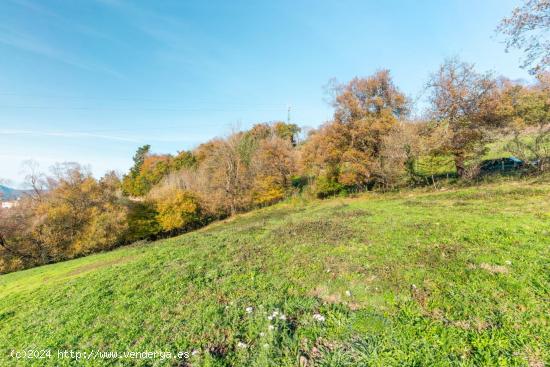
[(288, 115)]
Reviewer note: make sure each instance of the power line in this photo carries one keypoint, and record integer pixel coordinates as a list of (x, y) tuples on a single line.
[(129, 108), (228, 106), (288, 115)]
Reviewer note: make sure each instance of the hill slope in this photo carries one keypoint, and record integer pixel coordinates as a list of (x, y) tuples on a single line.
[(7, 193), (457, 277)]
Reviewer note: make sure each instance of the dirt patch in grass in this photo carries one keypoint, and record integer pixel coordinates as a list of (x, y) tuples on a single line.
[(439, 253), (419, 203), (461, 203), (476, 324), (318, 230), (322, 292), (514, 193), (352, 213), (491, 268), (218, 350), (534, 358), (494, 269), (250, 228)]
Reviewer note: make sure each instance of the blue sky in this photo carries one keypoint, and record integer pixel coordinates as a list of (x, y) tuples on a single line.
[(90, 81)]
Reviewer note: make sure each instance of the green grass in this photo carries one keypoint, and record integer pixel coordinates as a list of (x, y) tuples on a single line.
[(418, 278)]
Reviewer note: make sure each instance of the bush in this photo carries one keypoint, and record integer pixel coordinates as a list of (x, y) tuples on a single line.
[(268, 191), (178, 211), (104, 231), (142, 222), (325, 187)]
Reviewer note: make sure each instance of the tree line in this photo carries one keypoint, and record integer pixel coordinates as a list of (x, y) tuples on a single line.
[(371, 143)]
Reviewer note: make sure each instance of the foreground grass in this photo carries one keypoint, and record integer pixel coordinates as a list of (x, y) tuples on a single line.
[(453, 277)]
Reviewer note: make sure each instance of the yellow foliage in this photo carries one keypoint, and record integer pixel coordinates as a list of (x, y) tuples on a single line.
[(178, 210), (268, 190)]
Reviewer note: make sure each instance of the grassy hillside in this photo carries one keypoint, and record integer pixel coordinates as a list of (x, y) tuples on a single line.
[(453, 277)]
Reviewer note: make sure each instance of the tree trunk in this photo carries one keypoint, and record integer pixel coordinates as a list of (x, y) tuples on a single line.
[(459, 165)]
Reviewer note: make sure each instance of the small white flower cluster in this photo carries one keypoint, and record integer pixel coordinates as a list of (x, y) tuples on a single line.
[(249, 309), (242, 345), (318, 317), (276, 315)]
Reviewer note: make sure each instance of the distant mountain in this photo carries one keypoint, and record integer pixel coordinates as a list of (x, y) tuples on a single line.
[(7, 193)]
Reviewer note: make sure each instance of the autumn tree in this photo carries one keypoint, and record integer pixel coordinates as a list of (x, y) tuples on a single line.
[(178, 210), (184, 159), (77, 215), (527, 29), (286, 131), (273, 164), (17, 248), (466, 104), (149, 169), (530, 122), (400, 150), (225, 171), (345, 150)]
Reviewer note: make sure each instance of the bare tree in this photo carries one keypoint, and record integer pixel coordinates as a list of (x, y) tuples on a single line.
[(465, 103), (530, 122), (526, 29), (34, 178)]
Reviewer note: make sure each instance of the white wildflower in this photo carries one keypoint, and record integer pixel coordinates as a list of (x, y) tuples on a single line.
[(271, 327), (195, 352), (242, 345), (282, 317), (348, 293), (262, 334), (270, 317), (249, 310), (319, 317)]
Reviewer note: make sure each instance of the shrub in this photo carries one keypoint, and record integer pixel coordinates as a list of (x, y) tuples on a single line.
[(268, 191), (325, 187), (104, 231), (142, 222), (178, 211)]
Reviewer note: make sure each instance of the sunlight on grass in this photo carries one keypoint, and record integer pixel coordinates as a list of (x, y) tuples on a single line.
[(449, 277)]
